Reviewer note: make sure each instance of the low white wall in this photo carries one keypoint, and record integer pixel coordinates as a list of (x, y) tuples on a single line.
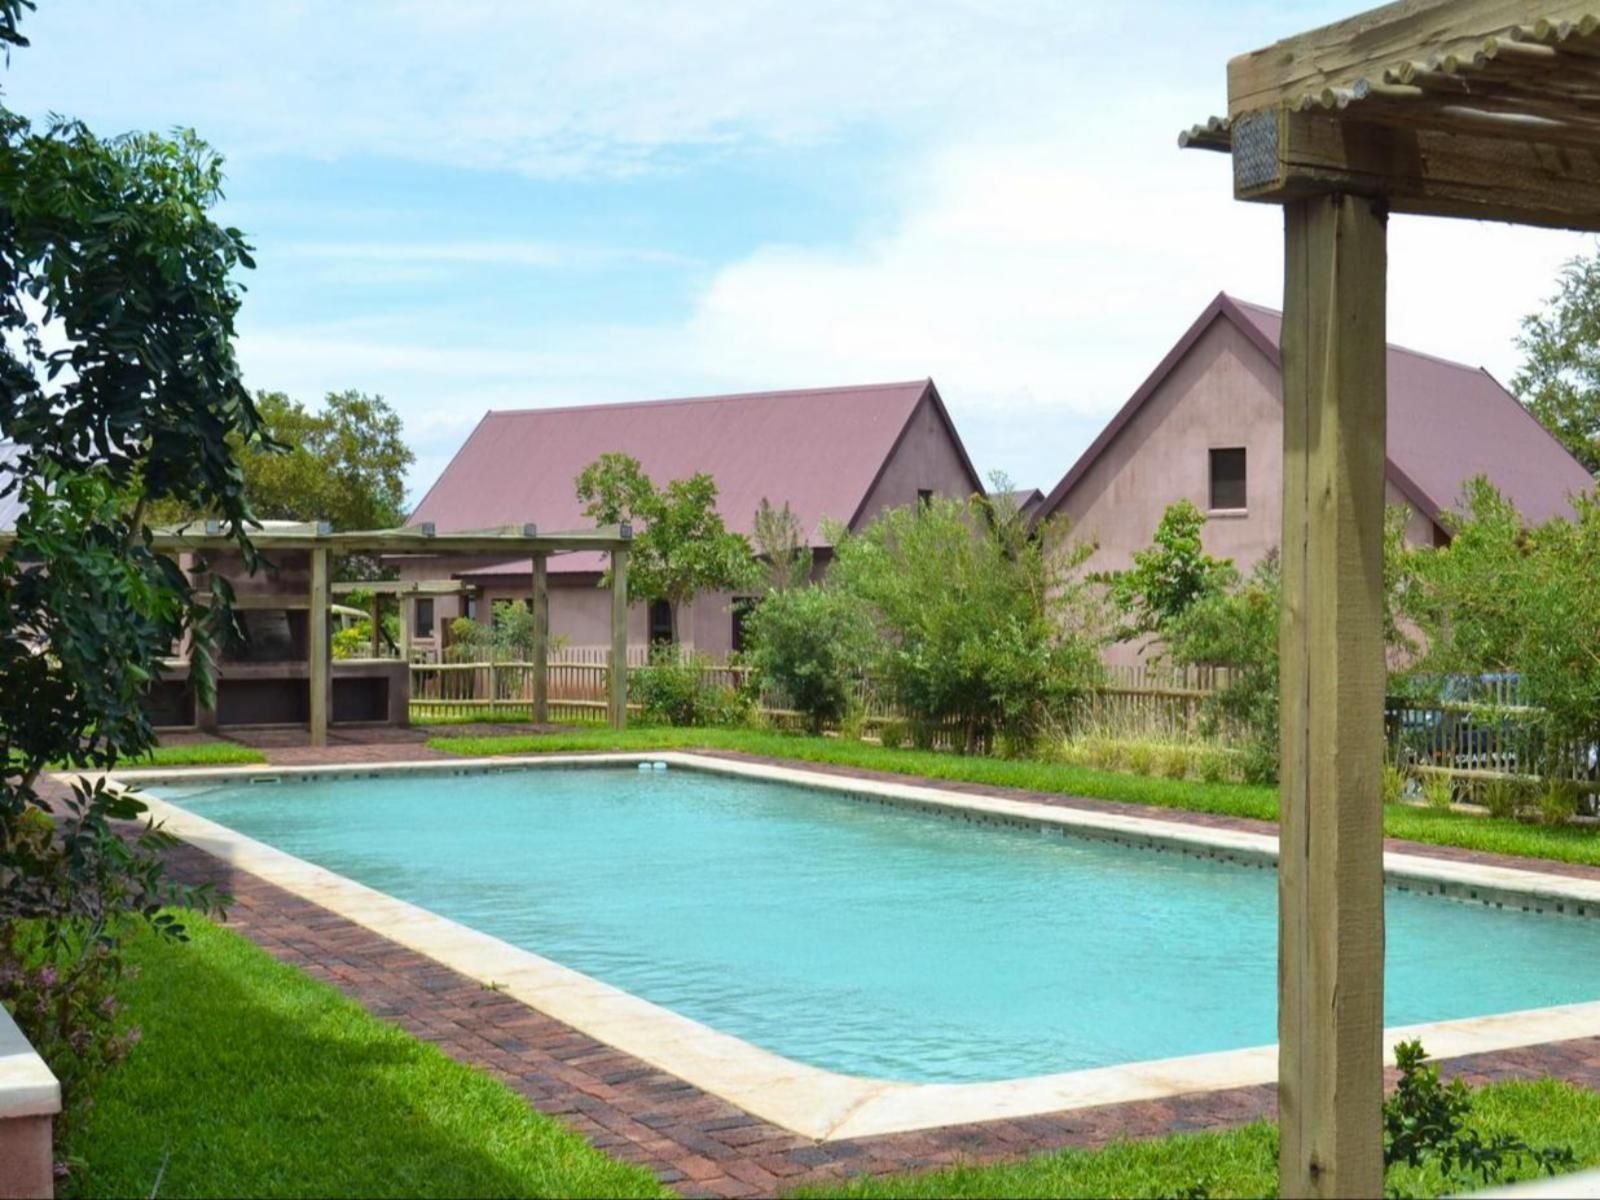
[(30, 1097)]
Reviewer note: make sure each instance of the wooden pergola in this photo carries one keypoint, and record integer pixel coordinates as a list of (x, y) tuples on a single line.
[(510, 541), (402, 590), (1457, 108)]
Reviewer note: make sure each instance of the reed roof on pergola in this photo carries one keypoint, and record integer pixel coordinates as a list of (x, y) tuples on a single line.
[(1464, 108), (506, 540)]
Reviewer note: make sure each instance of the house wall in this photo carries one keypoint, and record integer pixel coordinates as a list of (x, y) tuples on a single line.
[(926, 458), (1223, 393)]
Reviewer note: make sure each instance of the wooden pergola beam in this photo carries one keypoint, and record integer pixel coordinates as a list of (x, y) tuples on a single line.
[(1364, 45), (1282, 155)]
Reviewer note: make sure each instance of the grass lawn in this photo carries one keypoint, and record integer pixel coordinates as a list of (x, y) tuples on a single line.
[(200, 754), (1570, 843), (252, 1079), (1243, 1162)]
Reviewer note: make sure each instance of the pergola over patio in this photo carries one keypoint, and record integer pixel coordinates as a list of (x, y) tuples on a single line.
[(1459, 108), (320, 544)]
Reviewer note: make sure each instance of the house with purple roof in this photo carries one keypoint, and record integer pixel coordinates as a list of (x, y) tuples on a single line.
[(842, 454), (1207, 426)]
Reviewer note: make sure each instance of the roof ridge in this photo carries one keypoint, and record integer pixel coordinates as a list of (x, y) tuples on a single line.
[(720, 397), (1277, 313)]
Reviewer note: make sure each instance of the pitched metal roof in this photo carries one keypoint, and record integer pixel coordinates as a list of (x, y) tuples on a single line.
[(819, 450), (1448, 422)]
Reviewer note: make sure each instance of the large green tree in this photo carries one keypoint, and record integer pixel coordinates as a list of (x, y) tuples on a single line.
[(120, 390), (680, 546), (345, 462), (1559, 381)]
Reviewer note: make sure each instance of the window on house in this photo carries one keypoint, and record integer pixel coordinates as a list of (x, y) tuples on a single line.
[(470, 608), (660, 622), (424, 618), (1227, 478), (924, 497), (743, 606)]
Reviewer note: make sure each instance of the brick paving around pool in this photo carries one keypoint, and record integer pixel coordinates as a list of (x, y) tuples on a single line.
[(697, 1143)]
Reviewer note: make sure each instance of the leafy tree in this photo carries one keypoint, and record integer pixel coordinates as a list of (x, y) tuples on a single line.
[(1559, 381), (812, 643), (782, 544), (344, 463), (680, 545), (1237, 627), (1170, 575), (975, 622), (133, 399)]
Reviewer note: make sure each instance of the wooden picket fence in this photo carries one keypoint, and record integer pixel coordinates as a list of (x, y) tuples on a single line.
[(1135, 702)]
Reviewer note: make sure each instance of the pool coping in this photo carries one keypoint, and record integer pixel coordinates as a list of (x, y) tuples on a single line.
[(825, 1105)]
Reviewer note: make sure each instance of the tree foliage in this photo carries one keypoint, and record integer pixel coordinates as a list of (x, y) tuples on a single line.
[(1559, 381), (782, 544), (1507, 597), (1168, 576), (812, 643), (1237, 627), (119, 387), (680, 545), (976, 622)]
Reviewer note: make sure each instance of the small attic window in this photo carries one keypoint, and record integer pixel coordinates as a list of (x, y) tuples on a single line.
[(1228, 479)]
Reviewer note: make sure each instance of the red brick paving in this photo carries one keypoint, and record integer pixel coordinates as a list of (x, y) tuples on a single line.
[(699, 1144)]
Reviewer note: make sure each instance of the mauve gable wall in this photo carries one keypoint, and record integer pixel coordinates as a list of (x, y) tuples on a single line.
[(926, 458), (1222, 393)]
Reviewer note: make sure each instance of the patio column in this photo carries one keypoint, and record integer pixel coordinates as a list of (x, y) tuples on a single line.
[(320, 670), (1330, 873), (619, 637), (406, 604), (376, 611), (541, 640)]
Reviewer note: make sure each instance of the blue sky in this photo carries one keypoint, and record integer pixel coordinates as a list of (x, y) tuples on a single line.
[(474, 205)]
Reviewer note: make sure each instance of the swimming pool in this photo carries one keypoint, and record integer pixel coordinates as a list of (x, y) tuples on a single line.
[(871, 940)]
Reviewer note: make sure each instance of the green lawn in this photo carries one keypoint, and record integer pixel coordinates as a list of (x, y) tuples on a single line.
[(1242, 1162), (200, 754), (1571, 843), (252, 1079)]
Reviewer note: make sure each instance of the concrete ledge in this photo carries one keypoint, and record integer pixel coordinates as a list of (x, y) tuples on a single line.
[(30, 1097)]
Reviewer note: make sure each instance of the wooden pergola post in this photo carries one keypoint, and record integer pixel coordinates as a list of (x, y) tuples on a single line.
[(406, 603), (1330, 872), (376, 612), (619, 637), (318, 656), (541, 640)]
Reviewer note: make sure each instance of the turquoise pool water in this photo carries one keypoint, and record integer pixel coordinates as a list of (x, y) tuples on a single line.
[(873, 940)]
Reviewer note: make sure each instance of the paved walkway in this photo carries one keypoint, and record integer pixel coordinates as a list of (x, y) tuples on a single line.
[(702, 1145)]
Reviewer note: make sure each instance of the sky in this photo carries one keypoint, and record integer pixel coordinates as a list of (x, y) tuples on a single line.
[(471, 205)]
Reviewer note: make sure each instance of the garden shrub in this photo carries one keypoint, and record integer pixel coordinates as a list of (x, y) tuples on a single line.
[(1438, 790), (892, 734), (1504, 798), (1213, 766), (810, 643), (973, 622), (1238, 628), (1175, 761), (1425, 1121), (1394, 784), (1558, 802), (853, 724), (673, 690), (1141, 758)]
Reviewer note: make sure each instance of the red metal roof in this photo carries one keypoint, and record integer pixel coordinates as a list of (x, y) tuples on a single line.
[(1448, 422), (819, 450)]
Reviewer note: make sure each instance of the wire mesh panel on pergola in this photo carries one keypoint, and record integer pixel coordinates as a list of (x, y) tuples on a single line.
[(1456, 108)]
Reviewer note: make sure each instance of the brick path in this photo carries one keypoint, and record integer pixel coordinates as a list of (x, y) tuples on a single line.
[(701, 1145)]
